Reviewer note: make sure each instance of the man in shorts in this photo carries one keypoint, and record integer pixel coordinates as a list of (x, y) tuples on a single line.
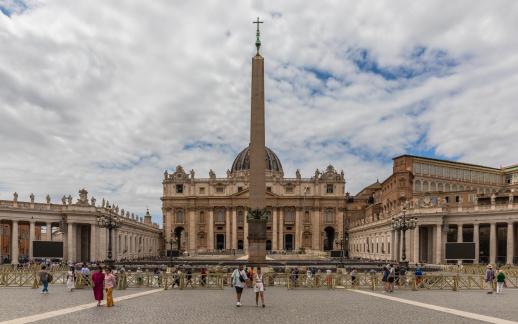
[(238, 280)]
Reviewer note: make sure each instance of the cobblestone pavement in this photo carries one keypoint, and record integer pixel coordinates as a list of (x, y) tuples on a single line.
[(283, 306), (18, 302)]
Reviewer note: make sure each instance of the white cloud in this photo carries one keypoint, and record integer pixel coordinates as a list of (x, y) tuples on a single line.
[(106, 95)]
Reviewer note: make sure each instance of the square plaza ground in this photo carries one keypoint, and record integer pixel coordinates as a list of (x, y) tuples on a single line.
[(283, 306)]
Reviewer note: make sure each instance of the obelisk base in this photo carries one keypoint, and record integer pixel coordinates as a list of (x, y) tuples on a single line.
[(256, 241)]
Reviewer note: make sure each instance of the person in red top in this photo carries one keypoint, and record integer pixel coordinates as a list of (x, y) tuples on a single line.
[(98, 284)]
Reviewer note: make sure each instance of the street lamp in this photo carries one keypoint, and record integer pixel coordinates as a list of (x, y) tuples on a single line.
[(342, 242), (401, 223), (111, 222), (171, 241)]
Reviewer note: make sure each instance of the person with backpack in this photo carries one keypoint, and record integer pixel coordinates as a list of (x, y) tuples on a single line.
[(238, 280), (45, 278), (500, 281)]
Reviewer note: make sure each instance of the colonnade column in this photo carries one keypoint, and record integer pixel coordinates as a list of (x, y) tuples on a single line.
[(459, 238), (492, 243), (234, 228), (476, 236), (227, 229), (210, 237), (14, 243), (49, 231), (281, 229), (93, 242), (416, 244), (32, 234), (70, 242), (510, 243), (192, 229), (274, 229), (438, 243), (397, 246), (393, 245)]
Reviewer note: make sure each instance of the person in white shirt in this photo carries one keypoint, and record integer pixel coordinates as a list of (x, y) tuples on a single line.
[(259, 287), (238, 280)]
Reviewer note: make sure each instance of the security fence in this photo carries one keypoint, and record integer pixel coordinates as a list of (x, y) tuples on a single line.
[(185, 281)]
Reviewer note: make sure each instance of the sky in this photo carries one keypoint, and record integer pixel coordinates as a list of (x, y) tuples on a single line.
[(106, 95)]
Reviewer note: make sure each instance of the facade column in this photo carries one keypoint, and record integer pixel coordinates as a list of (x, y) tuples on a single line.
[(15, 249), (275, 234), (281, 228), (245, 232), (316, 229), (297, 230), (416, 244), (32, 235), (234, 228), (459, 238), (192, 229), (227, 230), (492, 243), (510, 243), (476, 237), (71, 242), (49, 231), (438, 243), (210, 236)]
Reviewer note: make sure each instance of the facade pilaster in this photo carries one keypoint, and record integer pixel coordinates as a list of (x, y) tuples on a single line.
[(316, 229), (234, 228), (297, 230), (71, 242), (275, 233), (228, 238), (281, 228), (392, 245), (192, 229), (49, 231), (210, 236), (245, 233)]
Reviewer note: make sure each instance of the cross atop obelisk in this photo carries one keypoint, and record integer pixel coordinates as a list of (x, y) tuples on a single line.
[(257, 216), (258, 34)]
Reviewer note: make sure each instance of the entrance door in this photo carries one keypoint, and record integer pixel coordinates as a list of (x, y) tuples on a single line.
[(329, 239), (220, 241), (240, 244), (288, 242), (268, 245)]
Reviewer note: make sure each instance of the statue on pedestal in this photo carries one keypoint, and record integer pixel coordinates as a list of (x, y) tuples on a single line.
[(15, 196), (64, 200), (32, 198), (48, 199), (92, 201), (69, 199), (297, 174)]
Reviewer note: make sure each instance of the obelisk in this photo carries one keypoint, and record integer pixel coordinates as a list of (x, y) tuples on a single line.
[(257, 216)]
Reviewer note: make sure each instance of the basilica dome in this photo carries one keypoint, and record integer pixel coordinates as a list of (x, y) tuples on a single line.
[(242, 161)]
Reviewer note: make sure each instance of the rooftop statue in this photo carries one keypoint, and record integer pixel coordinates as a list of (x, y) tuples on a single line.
[(32, 198), (48, 199), (15, 196)]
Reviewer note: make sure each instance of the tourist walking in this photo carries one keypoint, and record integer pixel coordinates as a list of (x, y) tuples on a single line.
[(98, 284), (418, 275), (489, 277), (109, 283), (238, 280), (259, 287), (353, 277), (500, 281), (45, 278), (385, 278), (391, 277), (71, 278)]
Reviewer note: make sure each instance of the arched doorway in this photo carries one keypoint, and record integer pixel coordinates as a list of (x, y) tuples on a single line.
[(329, 238), (220, 241), (179, 236), (288, 242), (268, 245)]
